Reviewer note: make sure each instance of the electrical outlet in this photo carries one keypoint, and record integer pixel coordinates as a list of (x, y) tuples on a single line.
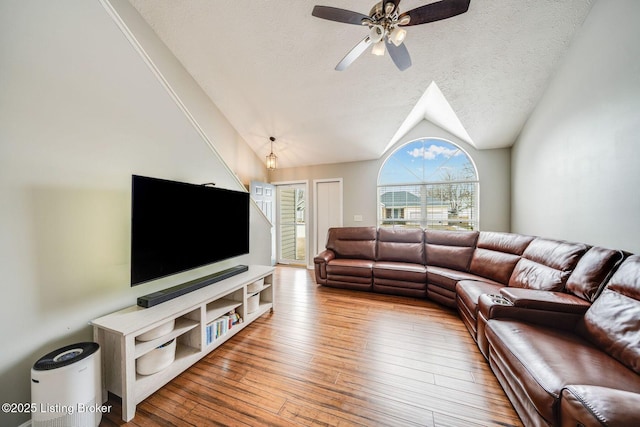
[(357, 218)]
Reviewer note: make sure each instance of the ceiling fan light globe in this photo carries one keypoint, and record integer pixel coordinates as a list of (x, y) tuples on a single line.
[(397, 36), (378, 48), (389, 7), (404, 20), (377, 33)]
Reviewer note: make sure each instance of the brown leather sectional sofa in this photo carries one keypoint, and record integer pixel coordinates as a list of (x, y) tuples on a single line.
[(558, 322)]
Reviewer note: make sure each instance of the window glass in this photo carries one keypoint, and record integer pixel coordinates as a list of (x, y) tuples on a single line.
[(428, 183)]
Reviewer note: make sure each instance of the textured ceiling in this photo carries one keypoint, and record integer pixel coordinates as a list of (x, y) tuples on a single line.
[(269, 66)]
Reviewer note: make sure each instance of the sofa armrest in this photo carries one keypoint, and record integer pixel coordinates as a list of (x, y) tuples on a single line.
[(320, 265), (541, 312), (493, 306), (545, 300), (589, 405), (324, 256)]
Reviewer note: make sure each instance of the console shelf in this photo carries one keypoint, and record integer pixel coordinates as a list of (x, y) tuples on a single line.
[(221, 307), (191, 314), (182, 326)]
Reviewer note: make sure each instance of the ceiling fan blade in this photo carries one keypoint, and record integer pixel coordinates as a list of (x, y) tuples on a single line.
[(338, 15), (435, 11), (354, 54), (399, 55)]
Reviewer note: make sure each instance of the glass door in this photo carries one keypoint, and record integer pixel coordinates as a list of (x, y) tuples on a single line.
[(292, 232)]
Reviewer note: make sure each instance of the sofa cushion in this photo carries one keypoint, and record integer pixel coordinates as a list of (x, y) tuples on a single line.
[(395, 286), (350, 274), (353, 242), (586, 405), (441, 283), (400, 271), (539, 362), (546, 264), (592, 272), (447, 278), (402, 288), (350, 267), (400, 278), (497, 254), (613, 321), (450, 249), (401, 245)]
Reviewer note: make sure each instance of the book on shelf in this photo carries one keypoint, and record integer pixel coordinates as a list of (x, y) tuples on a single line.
[(221, 326)]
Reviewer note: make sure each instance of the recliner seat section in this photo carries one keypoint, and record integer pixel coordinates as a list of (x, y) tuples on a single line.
[(545, 264), (400, 267), (449, 259), (555, 309), (558, 321), (535, 363), (493, 262), (348, 260), (517, 350)]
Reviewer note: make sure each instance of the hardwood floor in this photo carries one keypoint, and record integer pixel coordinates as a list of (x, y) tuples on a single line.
[(334, 357)]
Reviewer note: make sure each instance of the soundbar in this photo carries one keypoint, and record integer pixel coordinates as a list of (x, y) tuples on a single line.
[(158, 297)]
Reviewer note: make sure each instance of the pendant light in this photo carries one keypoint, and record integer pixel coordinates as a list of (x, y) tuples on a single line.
[(272, 159)]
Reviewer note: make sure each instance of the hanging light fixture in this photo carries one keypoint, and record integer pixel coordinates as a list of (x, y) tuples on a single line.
[(272, 159)]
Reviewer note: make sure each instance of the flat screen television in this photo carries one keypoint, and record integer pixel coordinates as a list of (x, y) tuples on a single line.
[(177, 226)]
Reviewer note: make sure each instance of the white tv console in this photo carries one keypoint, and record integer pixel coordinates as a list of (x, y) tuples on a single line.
[(116, 332)]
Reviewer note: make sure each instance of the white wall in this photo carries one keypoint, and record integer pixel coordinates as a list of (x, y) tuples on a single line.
[(205, 115), (360, 181), (575, 165), (80, 111)]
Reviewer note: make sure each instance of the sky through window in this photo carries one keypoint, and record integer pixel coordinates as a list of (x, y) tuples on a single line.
[(427, 161)]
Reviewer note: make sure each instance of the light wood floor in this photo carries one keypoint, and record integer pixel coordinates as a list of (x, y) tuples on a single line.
[(334, 357)]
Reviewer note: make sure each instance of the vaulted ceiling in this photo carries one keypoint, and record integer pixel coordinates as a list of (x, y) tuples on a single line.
[(269, 67)]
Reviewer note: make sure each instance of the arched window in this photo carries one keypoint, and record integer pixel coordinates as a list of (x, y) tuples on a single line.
[(428, 183)]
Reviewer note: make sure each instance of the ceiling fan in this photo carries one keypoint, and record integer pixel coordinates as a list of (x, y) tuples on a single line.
[(385, 24)]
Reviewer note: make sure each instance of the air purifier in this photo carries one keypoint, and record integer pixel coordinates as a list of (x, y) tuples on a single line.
[(66, 387)]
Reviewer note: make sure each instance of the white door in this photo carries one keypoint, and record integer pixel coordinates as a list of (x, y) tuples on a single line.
[(328, 209), (265, 197)]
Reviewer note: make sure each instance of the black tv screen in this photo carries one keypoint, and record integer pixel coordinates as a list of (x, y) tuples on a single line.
[(177, 226)]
